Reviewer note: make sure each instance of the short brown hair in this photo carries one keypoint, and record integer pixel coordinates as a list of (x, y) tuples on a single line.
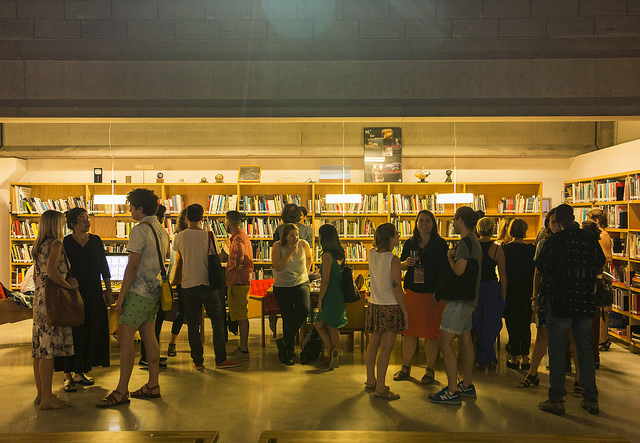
[(518, 228), (599, 216), (485, 227)]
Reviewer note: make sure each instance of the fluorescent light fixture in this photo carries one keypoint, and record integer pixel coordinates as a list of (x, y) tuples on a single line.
[(109, 199), (344, 198), (455, 198), (373, 159)]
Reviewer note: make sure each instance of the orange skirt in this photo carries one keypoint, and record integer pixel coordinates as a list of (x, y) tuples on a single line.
[(425, 317)]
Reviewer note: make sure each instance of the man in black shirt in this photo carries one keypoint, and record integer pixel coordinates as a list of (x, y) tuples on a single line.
[(570, 261)]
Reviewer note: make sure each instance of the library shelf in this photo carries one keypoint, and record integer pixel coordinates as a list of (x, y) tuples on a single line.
[(619, 337), (380, 203)]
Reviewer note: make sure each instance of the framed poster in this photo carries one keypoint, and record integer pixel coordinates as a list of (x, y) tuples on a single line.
[(382, 155), (249, 174)]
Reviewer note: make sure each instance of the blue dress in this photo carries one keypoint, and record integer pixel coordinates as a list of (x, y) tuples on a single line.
[(334, 310)]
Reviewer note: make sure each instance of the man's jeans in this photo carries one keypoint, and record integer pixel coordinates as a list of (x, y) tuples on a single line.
[(557, 329), (194, 298)]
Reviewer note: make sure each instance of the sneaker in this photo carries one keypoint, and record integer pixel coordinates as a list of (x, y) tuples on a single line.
[(227, 364), (555, 407), (334, 363), (445, 397), (240, 355), (591, 406), (466, 391), (198, 366)]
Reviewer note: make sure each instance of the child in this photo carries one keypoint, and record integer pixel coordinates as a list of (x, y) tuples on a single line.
[(387, 313)]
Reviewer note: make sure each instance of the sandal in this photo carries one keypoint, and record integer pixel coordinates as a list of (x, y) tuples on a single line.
[(82, 379), (171, 352), (605, 345), (428, 377), (513, 365), (529, 380), (369, 387), (387, 394), (577, 390), (403, 374), (69, 385), (146, 391), (114, 399)]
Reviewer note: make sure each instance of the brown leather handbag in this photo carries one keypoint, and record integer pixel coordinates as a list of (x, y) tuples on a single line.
[(64, 306)]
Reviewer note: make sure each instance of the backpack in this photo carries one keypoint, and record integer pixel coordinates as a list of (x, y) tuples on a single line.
[(349, 288), (311, 347)]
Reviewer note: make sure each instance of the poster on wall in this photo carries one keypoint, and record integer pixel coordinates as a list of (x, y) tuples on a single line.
[(382, 155)]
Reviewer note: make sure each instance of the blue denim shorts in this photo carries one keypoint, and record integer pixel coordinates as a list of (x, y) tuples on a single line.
[(457, 317)]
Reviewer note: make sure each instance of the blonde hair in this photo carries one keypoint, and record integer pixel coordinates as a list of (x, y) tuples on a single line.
[(485, 227), (503, 228), (51, 227)]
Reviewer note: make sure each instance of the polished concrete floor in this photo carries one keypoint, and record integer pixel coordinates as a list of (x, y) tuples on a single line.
[(265, 395)]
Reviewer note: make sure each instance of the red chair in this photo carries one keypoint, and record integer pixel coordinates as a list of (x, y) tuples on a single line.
[(269, 306)]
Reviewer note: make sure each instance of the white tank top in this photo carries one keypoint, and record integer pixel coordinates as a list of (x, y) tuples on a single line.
[(380, 278), (295, 272)]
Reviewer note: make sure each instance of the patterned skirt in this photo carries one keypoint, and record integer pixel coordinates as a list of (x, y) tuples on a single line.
[(384, 318)]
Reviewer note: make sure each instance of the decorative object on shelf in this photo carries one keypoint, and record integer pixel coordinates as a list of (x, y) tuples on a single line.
[(249, 174), (219, 178), (203, 180), (159, 177), (422, 174), (127, 179), (448, 179), (97, 175)]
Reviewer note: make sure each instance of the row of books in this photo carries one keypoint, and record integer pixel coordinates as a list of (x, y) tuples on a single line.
[(220, 204), (617, 216), (174, 204), (262, 204), (262, 273), (634, 187), (217, 227), (581, 214), (609, 191), (18, 276), (34, 205), (22, 253), (93, 208), (579, 192), (115, 248), (123, 229), (348, 228), (479, 203), (626, 301), (411, 204), (261, 250), (520, 204), (260, 227), (354, 252), (369, 204), (24, 229)]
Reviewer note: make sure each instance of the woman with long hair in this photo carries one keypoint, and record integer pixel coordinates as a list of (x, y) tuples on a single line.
[(49, 341), (487, 317), (291, 260), (423, 256), (86, 255), (387, 313), (332, 310)]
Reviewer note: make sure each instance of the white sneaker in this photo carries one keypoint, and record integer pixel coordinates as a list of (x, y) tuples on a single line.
[(238, 355)]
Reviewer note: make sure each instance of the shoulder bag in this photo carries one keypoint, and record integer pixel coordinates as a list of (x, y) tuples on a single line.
[(64, 306), (452, 287), (604, 293), (349, 288), (166, 296), (217, 277)]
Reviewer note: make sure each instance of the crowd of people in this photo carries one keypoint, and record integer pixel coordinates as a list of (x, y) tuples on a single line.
[(553, 280)]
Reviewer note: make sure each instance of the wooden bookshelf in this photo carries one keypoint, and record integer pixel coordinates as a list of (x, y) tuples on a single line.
[(619, 196), (265, 206)]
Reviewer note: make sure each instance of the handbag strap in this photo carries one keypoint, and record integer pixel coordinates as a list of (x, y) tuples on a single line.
[(213, 250), (163, 271)]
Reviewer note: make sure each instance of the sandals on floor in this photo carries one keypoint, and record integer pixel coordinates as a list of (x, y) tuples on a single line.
[(387, 394), (368, 387), (146, 391), (428, 377), (577, 390), (605, 345), (114, 399), (83, 379), (403, 374), (513, 365), (529, 380), (69, 385)]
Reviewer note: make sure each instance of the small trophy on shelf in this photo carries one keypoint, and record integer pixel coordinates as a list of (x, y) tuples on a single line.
[(448, 179), (422, 174)]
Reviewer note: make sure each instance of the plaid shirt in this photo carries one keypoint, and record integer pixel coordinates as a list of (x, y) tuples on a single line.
[(569, 262)]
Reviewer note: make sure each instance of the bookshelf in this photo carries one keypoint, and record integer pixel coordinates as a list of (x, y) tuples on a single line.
[(619, 196), (262, 205)]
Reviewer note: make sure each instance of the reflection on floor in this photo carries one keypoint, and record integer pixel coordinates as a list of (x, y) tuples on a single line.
[(265, 395)]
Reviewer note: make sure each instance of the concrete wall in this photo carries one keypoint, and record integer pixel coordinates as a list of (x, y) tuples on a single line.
[(319, 58), (613, 160)]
